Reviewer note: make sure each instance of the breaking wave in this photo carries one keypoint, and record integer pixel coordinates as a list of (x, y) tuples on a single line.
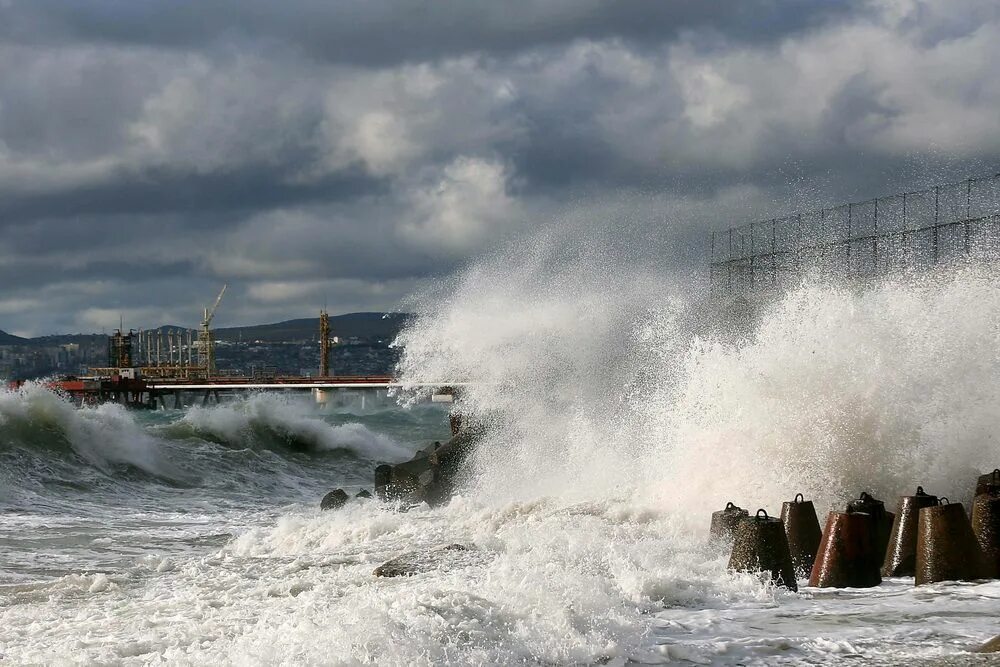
[(611, 385), (267, 444), (270, 421)]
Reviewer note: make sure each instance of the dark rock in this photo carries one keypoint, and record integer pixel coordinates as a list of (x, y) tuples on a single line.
[(334, 500), (363, 493), (431, 476), (992, 646), (415, 562)]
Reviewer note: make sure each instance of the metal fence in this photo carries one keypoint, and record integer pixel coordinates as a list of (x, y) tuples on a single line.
[(907, 231)]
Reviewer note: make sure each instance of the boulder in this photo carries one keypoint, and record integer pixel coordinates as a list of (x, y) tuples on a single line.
[(431, 476), (415, 562), (363, 493), (334, 500), (992, 646)]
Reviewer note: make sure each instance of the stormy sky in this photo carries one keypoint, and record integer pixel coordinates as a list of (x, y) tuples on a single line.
[(347, 152)]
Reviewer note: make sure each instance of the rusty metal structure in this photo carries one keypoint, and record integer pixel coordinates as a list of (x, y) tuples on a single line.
[(121, 348), (860, 240), (324, 344), (206, 342)]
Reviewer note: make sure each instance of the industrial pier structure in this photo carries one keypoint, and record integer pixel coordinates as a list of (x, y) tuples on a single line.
[(176, 368)]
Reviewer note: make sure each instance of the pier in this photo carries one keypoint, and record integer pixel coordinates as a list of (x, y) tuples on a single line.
[(164, 393)]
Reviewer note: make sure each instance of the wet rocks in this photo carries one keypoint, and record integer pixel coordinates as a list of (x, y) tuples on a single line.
[(431, 476), (334, 500), (416, 562), (992, 646)]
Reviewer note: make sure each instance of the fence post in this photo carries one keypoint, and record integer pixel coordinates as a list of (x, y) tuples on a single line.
[(875, 241), (937, 193), (774, 256), (850, 211), (729, 264), (968, 199), (711, 265)]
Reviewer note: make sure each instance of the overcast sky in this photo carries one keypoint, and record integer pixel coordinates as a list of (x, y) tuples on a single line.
[(311, 151)]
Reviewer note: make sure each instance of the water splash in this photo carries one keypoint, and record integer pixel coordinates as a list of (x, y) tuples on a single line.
[(612, 385)]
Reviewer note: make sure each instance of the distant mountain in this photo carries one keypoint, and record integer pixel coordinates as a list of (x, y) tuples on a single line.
[(63, 339), (381, 326), (11, 339), (377, 326)]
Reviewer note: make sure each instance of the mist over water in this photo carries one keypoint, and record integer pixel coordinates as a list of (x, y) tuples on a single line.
[(624, 407)]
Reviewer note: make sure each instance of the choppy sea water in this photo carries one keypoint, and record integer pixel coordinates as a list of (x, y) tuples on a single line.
[(617, 427)]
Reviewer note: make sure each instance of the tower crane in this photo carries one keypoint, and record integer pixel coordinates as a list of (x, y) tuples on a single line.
[(206, 344)]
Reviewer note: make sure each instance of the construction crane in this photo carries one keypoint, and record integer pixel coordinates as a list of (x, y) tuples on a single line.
[(206, 344)]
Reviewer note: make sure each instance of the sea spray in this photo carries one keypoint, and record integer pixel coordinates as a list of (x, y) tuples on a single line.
[(608, 386)]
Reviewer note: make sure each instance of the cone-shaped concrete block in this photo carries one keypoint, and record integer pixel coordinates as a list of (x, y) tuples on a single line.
[(946, 548), (847, 556), (986, 528), (761, 546), (725, 521), (901, 556), (802, 531), (881, 520), (989, 483)]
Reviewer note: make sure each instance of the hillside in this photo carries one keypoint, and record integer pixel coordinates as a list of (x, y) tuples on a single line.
[(381, 326), (377, 326), (11, 339)]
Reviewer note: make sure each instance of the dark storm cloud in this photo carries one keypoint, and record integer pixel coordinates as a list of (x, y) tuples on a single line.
[(158, 190), (346, 151), (381, 32)]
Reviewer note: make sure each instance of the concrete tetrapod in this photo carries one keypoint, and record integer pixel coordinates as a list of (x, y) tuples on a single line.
[(802, 531), (881, 520), (986, 528), (946, 548), (725, 521), (989, 483), (847, 556), (761, 546), (901, 556)]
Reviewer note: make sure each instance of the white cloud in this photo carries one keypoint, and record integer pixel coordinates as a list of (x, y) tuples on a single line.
[(392, 119), (468, 205)]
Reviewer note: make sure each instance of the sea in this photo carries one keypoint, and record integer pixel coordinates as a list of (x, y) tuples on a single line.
[(620, 412)]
